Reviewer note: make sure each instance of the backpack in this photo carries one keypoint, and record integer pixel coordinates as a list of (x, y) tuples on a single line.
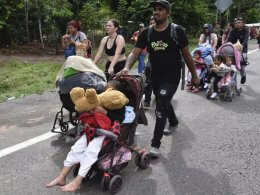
[(174, 35)]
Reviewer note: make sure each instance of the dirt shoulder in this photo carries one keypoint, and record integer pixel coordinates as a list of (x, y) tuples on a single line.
[(31, 58)]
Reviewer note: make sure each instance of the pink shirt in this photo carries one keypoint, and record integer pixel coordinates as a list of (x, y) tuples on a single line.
[(199, 63)]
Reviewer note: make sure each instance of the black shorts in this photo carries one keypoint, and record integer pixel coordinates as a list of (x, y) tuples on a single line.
[(118, 66)]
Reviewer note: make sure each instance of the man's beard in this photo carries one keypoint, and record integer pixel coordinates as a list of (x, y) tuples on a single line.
[(158, 22)]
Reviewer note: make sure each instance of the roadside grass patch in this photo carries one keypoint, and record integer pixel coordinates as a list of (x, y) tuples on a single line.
[(193, 43), (19, 78)]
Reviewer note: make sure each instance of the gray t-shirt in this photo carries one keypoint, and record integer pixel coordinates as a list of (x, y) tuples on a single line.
[(80, 37)]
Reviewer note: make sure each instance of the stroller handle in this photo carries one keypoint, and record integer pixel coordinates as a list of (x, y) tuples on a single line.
[(106, 133)]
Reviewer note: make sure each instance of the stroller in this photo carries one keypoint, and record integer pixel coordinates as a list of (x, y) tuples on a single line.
[(231, 88), (114, 157), (76, 72), (206, 54)]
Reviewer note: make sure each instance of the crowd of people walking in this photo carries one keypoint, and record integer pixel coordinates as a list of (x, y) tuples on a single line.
[(219, 56)]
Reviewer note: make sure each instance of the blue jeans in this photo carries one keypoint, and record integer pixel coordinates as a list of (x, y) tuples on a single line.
[(141, 64)]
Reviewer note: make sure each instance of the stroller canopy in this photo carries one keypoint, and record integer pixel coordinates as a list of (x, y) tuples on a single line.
[(229, 49)]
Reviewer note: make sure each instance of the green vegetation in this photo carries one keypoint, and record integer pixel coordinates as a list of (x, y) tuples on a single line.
[(23, 78), (193, 44), (23, 21), (20, 78)]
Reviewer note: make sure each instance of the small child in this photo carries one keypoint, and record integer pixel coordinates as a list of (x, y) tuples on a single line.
[(199, 65), (216, 67), (226, 80), (84, 151), (230, 66)]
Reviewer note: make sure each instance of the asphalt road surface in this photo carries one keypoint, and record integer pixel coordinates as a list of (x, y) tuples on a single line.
[(214, 151)]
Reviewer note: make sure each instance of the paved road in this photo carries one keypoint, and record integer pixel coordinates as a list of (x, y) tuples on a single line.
[(215, 150)]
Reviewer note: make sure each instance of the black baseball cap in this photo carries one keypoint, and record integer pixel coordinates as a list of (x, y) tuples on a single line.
[(163, 3)]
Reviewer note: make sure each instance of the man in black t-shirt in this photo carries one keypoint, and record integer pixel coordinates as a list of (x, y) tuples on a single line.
[(240, 33), (165, 59)]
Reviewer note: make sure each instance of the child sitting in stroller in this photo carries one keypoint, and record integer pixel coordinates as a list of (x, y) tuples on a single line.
[(85, 151), (216, 72), (199, 65), (231, 69)]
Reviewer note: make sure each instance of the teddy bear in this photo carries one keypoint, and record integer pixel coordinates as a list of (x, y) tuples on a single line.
[(81, 49), (88, 100)]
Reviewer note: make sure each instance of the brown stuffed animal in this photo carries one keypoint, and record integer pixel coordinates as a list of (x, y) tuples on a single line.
[(81, 49), (88, 100)]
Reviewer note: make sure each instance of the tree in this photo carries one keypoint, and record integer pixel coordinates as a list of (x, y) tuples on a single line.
[(10, 10), (248, 9), (190, 14), (140, 12), (122, 12)]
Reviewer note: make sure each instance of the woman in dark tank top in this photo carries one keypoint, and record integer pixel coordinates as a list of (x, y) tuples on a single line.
[(114, 47)]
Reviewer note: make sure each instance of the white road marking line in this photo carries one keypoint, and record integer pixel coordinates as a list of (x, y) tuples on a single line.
[(26, 144), (252, 51)]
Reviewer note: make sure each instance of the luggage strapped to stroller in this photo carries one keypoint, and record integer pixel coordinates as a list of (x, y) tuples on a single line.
[(114, 157)]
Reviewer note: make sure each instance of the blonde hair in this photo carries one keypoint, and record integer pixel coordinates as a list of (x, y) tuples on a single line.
[(238, 46)]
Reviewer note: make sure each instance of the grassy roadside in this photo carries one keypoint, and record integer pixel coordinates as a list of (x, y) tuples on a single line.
[(19, 78), (23, 78)]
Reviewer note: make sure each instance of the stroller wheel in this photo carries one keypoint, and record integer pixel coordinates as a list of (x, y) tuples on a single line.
[(207, 94), (64, 127), (142, 160), (115, 184), (229, 96), (73, 116), (138, 159), (226, 96), (105, 183), (239, 91)]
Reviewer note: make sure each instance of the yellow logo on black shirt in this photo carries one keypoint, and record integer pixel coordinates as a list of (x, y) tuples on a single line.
[(159, 45)]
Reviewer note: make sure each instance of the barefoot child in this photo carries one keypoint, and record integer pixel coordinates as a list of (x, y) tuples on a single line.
[(85, 151)]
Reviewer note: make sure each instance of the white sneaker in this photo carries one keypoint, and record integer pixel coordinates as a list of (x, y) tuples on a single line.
[(169, 130), (206, 85), (214, 95), (155, 152)]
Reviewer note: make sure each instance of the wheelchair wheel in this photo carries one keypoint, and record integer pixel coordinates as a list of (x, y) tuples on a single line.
[(64, 126), (73, 116)]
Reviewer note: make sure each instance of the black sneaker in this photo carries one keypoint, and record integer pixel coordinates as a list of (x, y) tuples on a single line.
[(243, 80)]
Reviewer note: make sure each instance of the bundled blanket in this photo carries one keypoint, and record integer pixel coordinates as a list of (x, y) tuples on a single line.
[(80, 64), (80, 72)]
